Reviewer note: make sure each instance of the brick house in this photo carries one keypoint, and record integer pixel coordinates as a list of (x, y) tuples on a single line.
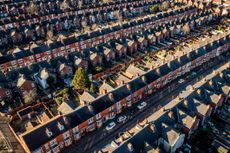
[(51, 136), (78, 60), (93, 56), (26, 85), (5, 93), (120, 49), (107, 52)]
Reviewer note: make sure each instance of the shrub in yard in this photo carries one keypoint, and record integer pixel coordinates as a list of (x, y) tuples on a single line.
[(154, 9), (98, 68)]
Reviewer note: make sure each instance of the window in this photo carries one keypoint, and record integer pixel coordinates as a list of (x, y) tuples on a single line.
[(98, 116), (90, 120), (7, 93), (72, 49), (38, 150), (66, 135), (75, 130), (47, 147), (48, 132), (60, 126), (44, 58), (53, 143), (128, 98), (76, 136)]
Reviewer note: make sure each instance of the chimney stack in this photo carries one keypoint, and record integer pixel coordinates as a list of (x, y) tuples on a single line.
[(122, 82), (130, 147), (104, 91), (111, 96), (186, 103), (143, 78), (128, 86)]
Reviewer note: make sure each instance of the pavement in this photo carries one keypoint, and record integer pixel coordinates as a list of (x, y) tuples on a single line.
[(95, 140)]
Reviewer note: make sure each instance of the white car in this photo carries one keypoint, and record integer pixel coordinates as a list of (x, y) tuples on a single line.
[(110, 126), (141, 105), (121, 119), (181, 81)]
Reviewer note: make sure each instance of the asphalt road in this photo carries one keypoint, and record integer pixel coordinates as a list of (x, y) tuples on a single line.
[(100, 137)]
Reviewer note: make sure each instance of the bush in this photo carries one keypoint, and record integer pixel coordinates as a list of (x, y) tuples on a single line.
[(63, 92), (154, 9), (58, 100), (98, 68)]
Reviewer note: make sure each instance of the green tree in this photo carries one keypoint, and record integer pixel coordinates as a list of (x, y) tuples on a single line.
[(93, 88), (154, 9), (81, 80)]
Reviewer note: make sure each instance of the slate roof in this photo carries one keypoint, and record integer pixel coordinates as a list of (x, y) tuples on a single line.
[(151, 76), (170, 134), (54, 44), (87, 97), (66, 107), (36, 67), (40, 48), (163, 70), (138, 141), (186, 119), (69, 40), (6, 58), (37, 137), (132, 71), (137, 83), (182, 60), (101, 103), (80, 115)]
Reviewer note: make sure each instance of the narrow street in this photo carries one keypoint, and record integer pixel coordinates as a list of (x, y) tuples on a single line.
[(8, 135), (100, 137)]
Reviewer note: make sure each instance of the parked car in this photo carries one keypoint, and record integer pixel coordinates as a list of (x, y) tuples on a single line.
[(121, 119), (141, 105), (110, 126)]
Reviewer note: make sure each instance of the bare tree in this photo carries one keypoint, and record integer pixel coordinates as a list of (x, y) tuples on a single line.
[(30, 96)]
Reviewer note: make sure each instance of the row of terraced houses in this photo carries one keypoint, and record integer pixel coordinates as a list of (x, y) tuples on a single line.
[(64, 46), (63, 130)]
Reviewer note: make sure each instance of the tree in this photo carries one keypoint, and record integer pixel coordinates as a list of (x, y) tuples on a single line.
[(81, 80), (30, 96), (154, 9), (93, 88)]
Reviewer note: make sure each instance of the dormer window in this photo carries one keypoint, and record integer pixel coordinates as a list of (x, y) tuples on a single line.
[(48, 132), (60, 126)]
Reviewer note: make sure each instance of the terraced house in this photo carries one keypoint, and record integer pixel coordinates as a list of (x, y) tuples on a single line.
[(136, 31), (63, 130), (168, 128)]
